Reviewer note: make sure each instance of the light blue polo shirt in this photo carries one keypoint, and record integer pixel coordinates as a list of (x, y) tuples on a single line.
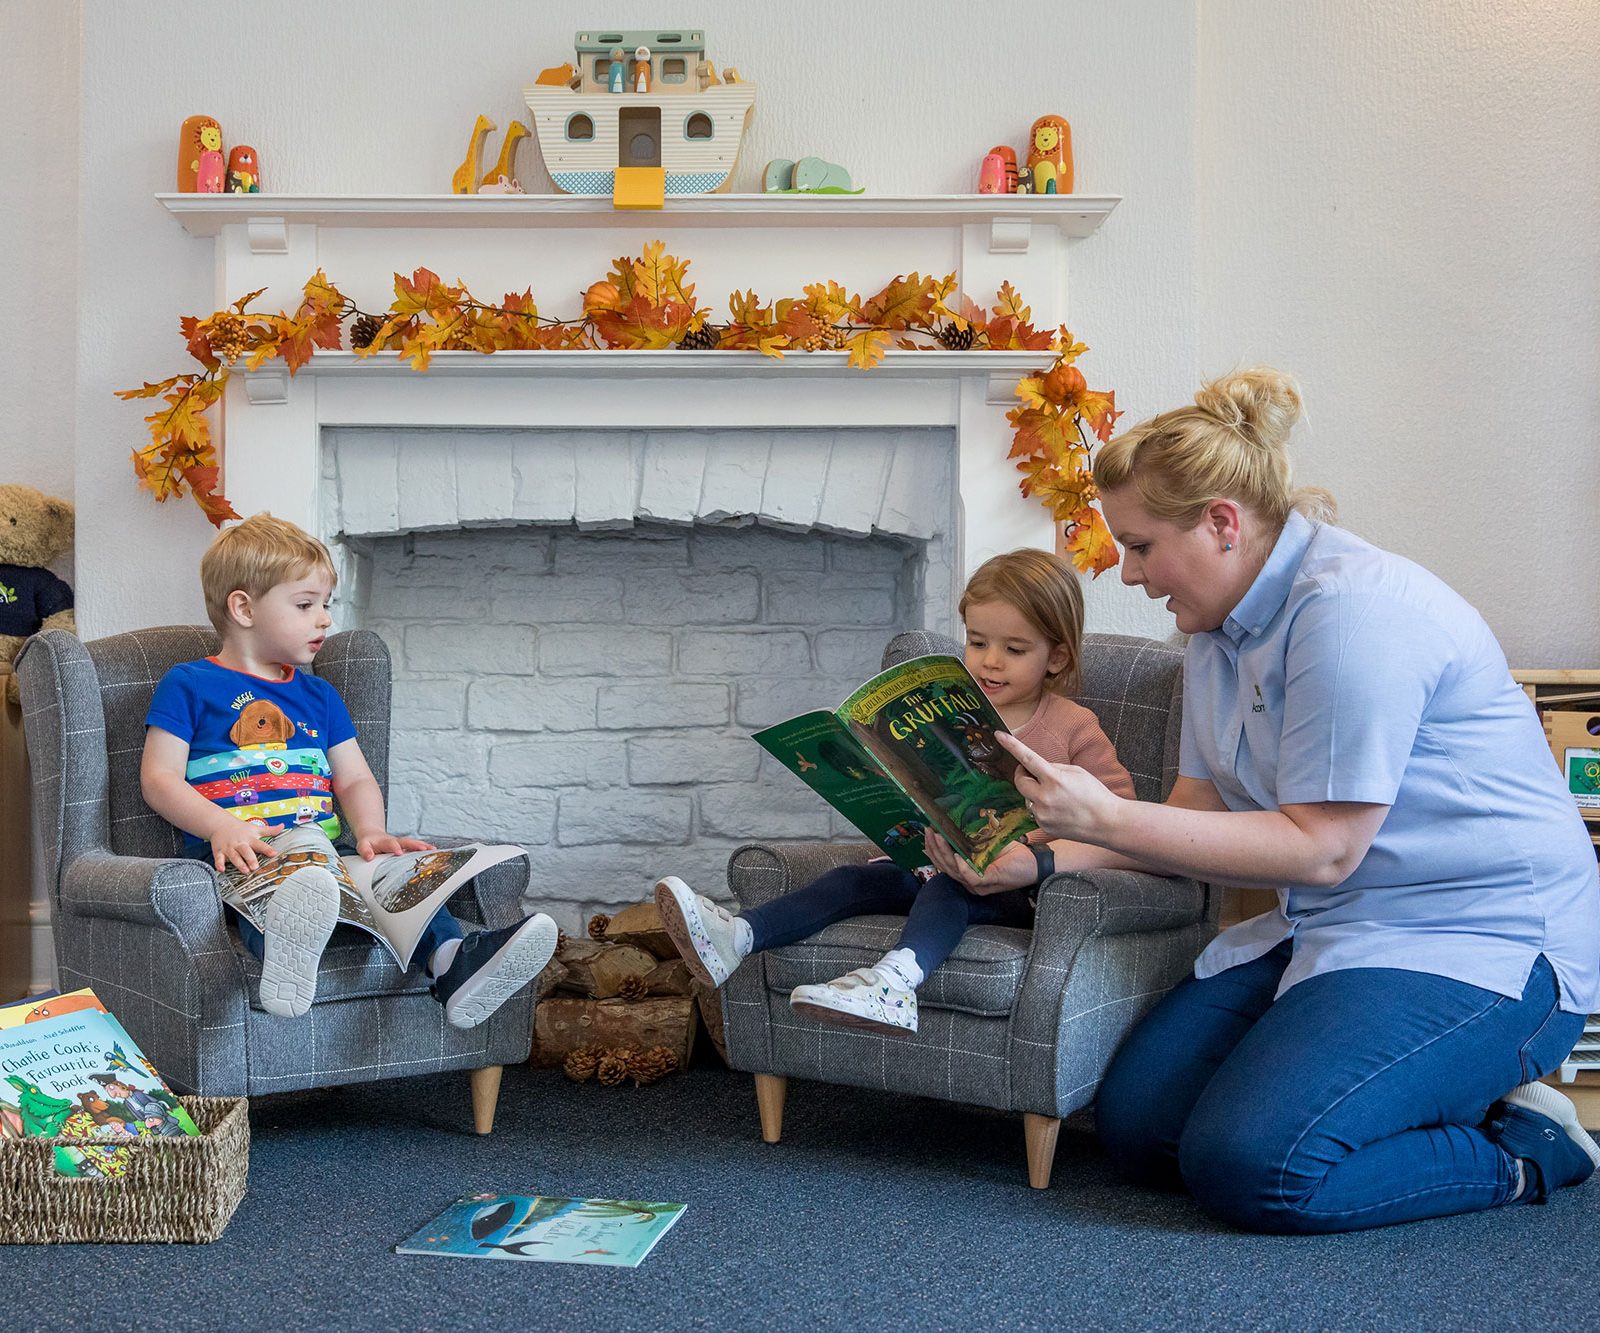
[(1346, 673)]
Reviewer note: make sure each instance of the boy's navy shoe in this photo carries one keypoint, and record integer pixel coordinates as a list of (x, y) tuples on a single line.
[(491, 966), (1539, 1125)]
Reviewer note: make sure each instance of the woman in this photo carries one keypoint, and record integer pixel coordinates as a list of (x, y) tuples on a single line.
[(1367, 1052)]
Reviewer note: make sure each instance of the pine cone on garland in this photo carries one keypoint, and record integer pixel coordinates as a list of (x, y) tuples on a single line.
[(597, 925), (581, 1064), (954, 338), (633, 988), (650, 1065), (364, 328), (703, 339), (613, 1067)]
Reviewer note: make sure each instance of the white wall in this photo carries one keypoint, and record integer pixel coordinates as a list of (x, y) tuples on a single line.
[(1401, 204), (1396, 202)]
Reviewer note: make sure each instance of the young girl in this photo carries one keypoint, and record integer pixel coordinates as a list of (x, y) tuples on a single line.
[(1024, 618)]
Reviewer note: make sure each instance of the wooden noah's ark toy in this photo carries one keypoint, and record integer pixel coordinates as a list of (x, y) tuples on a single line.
[(641, 116)]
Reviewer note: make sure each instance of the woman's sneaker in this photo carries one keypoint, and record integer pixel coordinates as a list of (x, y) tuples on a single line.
[(1540, 1126), (300, 917), (491, 966), (865, 998), (707, 938)]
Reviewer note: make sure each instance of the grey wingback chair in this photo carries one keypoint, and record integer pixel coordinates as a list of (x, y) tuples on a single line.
[(1019, 1020), (146, 928)]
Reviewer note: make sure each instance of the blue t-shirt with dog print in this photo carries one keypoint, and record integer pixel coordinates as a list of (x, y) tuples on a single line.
[(258, 748)]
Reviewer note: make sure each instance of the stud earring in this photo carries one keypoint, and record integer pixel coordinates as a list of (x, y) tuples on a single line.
[(1227, 546)]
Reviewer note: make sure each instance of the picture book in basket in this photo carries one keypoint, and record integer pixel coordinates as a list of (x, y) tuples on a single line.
[(392, 896), (69, 1069), (912, 748), (615, 1232)]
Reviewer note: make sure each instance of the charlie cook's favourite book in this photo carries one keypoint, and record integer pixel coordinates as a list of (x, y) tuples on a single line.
[(913, 748)]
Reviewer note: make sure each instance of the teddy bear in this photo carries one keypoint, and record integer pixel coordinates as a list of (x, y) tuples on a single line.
[(34, 529)]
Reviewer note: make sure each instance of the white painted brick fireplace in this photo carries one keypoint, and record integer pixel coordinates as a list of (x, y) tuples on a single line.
[(598, 572)]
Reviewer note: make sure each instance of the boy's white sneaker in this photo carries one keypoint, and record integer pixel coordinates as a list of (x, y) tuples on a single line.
[(705, 935), (300, 917), (865, 998)]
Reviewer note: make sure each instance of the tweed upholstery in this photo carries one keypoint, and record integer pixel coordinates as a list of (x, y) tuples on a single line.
[(146, 927), (1019, 1020)]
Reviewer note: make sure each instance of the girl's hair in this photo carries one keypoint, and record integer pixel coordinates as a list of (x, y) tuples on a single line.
[(255, 556), (1231, 443), (1044, 588)]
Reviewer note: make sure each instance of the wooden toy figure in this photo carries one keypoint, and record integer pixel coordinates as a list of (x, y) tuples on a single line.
[(641, 69), (619, 69), (1050, 155), (992, 174), (200, 135), (467, 175), (1009, 158), (505, 170), (244, 172)]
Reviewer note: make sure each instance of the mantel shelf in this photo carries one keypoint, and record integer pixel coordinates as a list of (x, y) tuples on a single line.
[(1009, 217), (1001, 370)]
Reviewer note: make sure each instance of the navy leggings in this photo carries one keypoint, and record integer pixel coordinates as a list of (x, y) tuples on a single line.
[(938, 912)]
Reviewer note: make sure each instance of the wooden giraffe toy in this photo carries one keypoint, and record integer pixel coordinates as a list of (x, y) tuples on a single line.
[(505, 168), (466, 176)]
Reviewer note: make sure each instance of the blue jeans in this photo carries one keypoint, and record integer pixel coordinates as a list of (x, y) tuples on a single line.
[(443, 927), (1354, 1101), (938, 912)]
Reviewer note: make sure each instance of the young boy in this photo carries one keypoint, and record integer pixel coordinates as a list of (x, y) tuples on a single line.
[(226, 735)]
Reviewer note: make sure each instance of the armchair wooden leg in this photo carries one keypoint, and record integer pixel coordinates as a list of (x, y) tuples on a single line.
[(485, 1093), (770, 1090), (1040, 1132)]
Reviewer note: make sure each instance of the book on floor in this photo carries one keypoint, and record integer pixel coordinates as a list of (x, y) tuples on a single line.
[(392, 897), (69, 1069), (617, 1233), (912, 748)]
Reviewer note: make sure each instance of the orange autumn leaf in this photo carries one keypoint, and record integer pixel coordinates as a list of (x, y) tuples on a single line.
[(867, 348), (422, 294), (1090, 542), (1008, 305), (906, 303), (1045, 433)]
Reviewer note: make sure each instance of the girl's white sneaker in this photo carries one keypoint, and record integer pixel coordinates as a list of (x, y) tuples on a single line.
[(704, 934), (865, 998)]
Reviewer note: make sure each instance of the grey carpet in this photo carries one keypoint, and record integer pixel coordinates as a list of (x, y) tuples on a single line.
[(878, 1209)]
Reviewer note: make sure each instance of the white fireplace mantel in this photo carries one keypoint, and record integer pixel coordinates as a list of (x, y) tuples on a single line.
[(556, 245)]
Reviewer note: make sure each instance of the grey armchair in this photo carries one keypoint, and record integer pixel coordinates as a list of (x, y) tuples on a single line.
[(1018, 1020), (145, 927)]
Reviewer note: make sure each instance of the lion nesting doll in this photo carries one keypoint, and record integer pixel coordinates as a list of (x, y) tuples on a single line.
[(34, 529), (1050, 155), (200, 165)]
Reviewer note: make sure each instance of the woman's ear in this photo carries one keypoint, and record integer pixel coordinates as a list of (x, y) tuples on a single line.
[(1224, 520)]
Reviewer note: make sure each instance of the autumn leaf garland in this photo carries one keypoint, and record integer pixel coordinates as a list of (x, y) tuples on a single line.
[(647, 302)]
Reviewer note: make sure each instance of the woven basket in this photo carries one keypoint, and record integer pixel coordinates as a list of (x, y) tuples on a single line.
[(175, 1189)]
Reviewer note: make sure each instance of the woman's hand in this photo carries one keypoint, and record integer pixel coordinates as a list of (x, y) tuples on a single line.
[(1014, 868), (386, 844), (1065, 801), (239, 844)]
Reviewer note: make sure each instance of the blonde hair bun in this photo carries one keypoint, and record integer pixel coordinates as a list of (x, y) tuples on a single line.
[(1261, 403)]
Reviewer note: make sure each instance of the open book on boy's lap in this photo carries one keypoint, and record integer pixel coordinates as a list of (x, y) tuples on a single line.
[(912, 748), (392, 896)]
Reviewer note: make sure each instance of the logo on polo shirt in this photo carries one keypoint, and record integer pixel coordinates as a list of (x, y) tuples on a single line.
[(1259, 706)]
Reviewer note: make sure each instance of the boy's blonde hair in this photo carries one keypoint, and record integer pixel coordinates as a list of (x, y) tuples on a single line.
[(255, 556), (1045, 589), (1231, 443)]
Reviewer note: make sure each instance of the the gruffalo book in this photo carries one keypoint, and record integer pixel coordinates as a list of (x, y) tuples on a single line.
[(913, 748)]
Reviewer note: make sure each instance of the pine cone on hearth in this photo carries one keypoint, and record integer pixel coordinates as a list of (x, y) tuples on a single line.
[(562, 940), (614, 1065), (703, 339), (597, 925), (954, 338), (581, 1064), (650, 1065), (364, 328), (633, 988)]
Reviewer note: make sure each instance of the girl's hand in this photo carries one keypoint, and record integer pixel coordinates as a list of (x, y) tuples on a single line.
[(1065, 801), (1014, 868), (386, 844), (240, 845)]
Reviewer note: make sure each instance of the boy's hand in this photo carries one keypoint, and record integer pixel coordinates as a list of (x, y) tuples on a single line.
[(386, 844), (240, 845)]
